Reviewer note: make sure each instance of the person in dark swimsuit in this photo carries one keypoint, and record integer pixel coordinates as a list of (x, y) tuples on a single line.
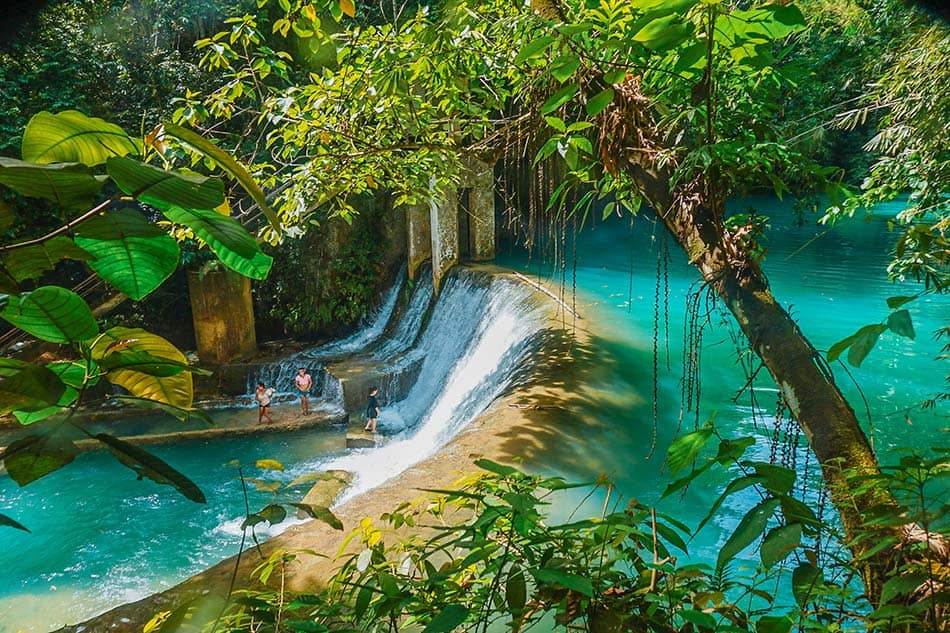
[(372, 410)]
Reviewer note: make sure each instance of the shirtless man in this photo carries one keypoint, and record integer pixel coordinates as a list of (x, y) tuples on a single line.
[(304, 382)]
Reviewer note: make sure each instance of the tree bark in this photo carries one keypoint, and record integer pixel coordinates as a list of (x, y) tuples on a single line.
[(804, 380)]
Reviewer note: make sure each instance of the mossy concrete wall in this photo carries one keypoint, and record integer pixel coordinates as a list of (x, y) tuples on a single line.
[(480, 178), (223, 315), (444, 220), (419, 237)]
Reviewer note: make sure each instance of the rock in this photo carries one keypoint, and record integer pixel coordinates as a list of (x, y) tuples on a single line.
[(326, 488), (361, 440)]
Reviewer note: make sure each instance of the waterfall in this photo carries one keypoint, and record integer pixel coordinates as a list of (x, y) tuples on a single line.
[(480, 330), (406, 331), (279, 375)]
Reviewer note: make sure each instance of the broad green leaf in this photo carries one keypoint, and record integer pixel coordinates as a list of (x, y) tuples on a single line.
[(685, 448), (320, 513), (679, 6), (777, 479), (559, 98), (7, 217), (779, 543), (516, 590), (495, 467), (228, 164), (749, 529), (177, 390), (29, 417), (670, 535), (51, 313), (562, 579), (447, 620), (27, 387), (734, 486), (692, 58), (534, 48), (31, 262), (731, 450), (796, 511), (895, 302), (233, 245), (805, 579), (69, 185), (867, 335), (6, 521), (700, 619), (901, 585), (774, 624), (142, 361), (34, 456), (564, 67), (73, 373), (272, 513), (600, 101), (132, 254), (900, 322), (664, 32), (182, 414), (163, 188), (144, 464), (863, 343), (73, 137)]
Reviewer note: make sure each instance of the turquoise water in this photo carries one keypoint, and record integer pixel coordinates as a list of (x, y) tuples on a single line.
[(100, 537), (833, 281)]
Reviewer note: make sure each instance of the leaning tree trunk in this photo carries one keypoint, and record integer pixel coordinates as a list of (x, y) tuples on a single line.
[(804, 380)]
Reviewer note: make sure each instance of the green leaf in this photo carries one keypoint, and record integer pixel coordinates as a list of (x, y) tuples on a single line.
[(734, 486), (269, 464), (700, 619), (670, 535), (228, 164), (557, 577), (320, 513), (73, 137), (69, 185), (685, 448), (176, 390), (804, 580), (34, 456), (147, 465), (7, 217), (902, 585), (6, 521), (777, 479), (534, 48), (131, 253), (564, 67), (25, 387), (864, 342), (597, 103), (162, 188), (895, 302), (559, 98), (29, 417), (664, 32), (900, 322), (750, 527), (498, 469), (448, 619), (516, 590), (233, 245), (774, 624), (182, 414), (779, 543), (52, 314), (31, 262), (731, 450), (146, 363)]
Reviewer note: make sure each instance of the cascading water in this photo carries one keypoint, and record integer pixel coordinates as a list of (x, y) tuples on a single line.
[(406, 331), (460, 374), (280, 375)]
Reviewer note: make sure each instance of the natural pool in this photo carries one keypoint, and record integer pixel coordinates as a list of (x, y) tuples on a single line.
[(102, 538), (834, 282)]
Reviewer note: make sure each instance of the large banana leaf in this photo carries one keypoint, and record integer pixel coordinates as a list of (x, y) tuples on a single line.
[(176, 390), (69, 185), (161, 188), (233, 245), (73, 137), (30, 262), (229, 164), (52, 314), (131, 253)]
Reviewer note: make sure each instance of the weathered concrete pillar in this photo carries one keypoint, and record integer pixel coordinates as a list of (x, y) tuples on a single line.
[(444, 220), (223, 315), (419, 238), (482, 210)]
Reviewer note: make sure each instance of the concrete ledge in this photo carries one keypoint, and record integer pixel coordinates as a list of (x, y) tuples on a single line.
[(362, 439), (327, 487)]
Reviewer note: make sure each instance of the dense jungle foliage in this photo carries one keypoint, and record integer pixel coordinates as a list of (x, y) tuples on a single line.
[(639, 106)]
